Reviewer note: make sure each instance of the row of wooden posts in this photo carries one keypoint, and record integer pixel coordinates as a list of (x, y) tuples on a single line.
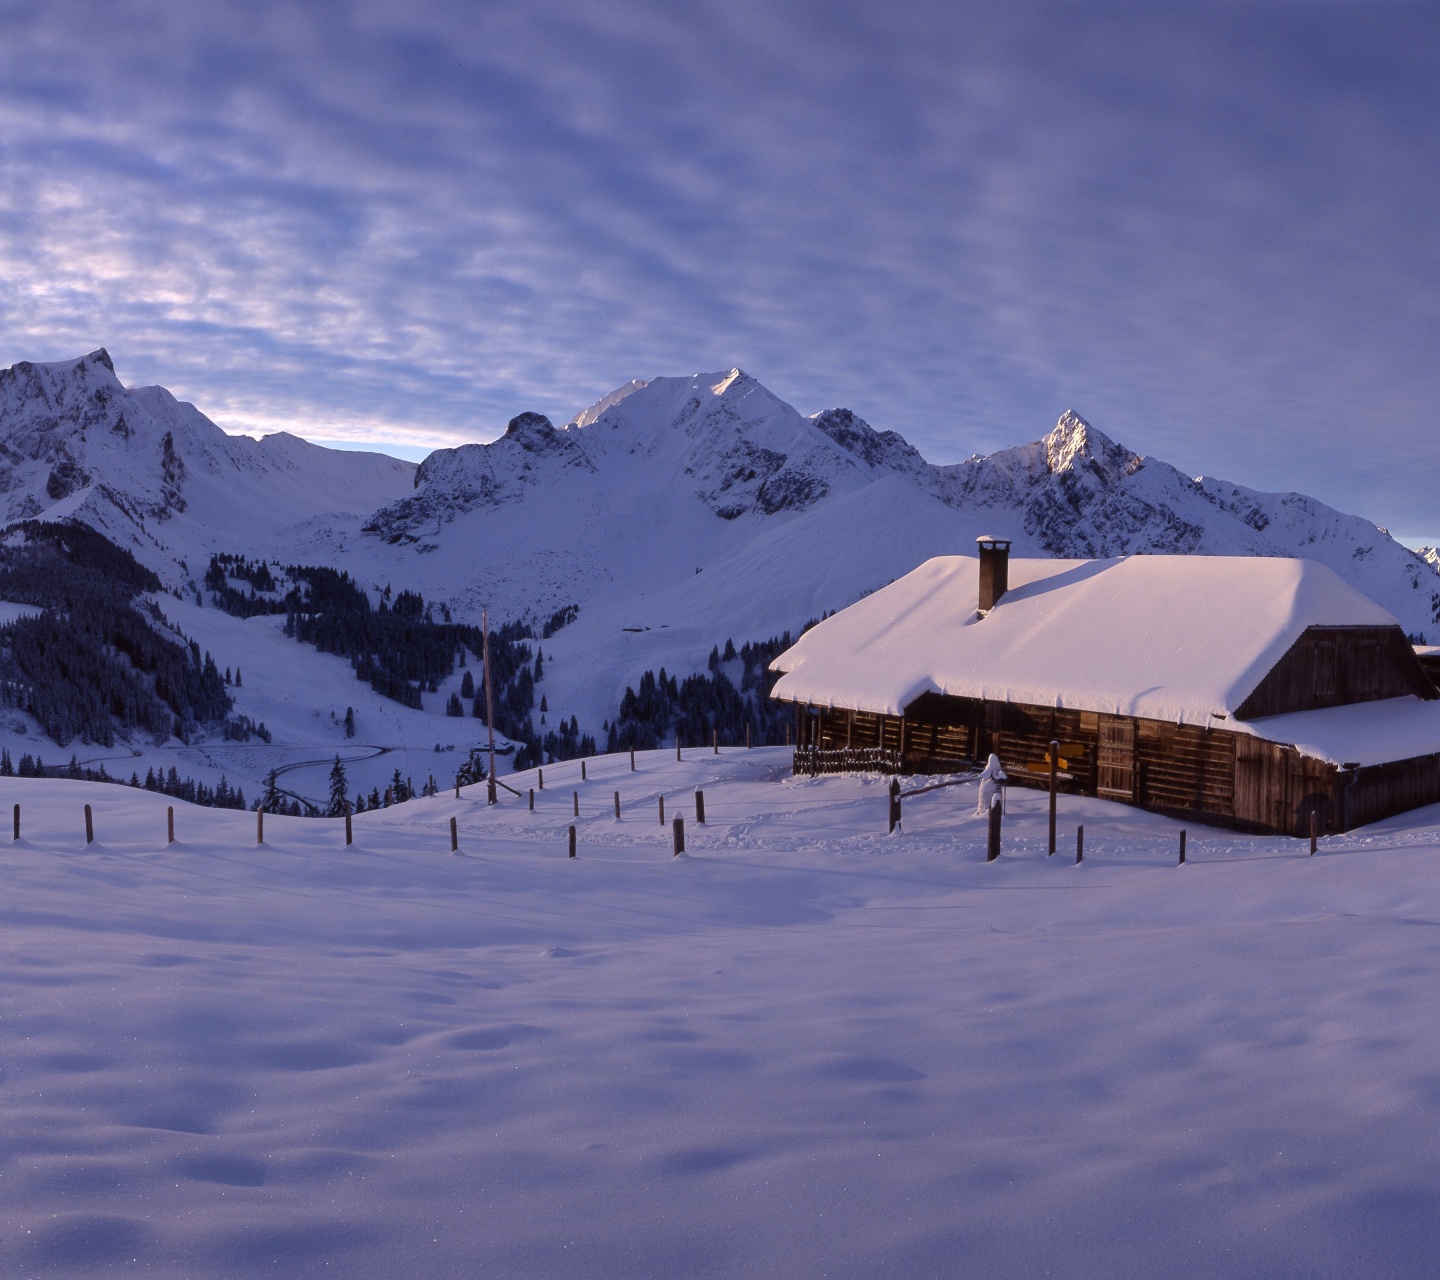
[(677, 824), (992, 851), (992, 848)]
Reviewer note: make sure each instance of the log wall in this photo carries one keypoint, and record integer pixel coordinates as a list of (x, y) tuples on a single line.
[(1213, 774), (1336, 666)]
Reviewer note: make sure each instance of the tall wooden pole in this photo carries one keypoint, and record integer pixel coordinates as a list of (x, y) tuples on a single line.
[(1054, 770), (489, 701)]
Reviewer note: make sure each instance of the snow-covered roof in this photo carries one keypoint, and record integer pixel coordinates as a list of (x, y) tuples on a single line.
[(1176, 638), (1362, 733)]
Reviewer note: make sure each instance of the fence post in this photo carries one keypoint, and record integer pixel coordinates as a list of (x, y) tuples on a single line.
[(260, 826), (894, 795), (457, 786), (632, 759), (349, 827), (677, 747), (993, 849), (490, 796), (582, 771), (575, 795), (617, 806), (699, 808), (1054, 782), (17, 822), (678, 829), (715, 740), (1079, 845), (532, 799), (572, 839), (1314, 832), (454, 836), (169, 824), (540, 781), (1182, 846), (89, 826), (662, 811)]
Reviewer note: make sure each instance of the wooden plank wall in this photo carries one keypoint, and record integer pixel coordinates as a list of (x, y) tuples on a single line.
[(1024, 736), (1185, 767), (1385, 789), (1216, 774), (1276, 788), (1335, 666)]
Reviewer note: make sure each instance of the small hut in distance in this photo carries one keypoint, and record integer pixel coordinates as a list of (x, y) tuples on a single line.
[(1244, 691)]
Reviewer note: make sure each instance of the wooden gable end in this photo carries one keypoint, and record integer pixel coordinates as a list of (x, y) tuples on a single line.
[(1336, 666)]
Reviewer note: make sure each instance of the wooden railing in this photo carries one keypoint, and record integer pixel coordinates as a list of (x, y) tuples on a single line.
[(810, 762)]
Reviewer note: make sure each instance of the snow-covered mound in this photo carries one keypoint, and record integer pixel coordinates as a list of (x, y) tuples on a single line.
[(802, 1049), (157, 476)]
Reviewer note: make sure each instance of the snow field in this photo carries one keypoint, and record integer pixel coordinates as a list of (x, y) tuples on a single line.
[(805, 1048)]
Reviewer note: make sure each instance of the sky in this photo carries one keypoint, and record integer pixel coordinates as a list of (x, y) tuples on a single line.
[(1211, 229)]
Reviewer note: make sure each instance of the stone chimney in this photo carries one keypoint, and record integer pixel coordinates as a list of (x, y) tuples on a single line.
[(994, 570)]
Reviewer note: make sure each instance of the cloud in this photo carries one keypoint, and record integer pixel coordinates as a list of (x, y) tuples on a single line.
[(1208, 228)]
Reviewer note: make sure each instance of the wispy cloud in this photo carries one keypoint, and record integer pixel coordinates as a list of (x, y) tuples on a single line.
[(1209, 228)]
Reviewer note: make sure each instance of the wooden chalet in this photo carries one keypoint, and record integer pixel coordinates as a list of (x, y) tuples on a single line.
[(1244, 691)]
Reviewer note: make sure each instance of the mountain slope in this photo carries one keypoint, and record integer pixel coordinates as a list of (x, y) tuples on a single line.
[(667, 476), (156, 475)]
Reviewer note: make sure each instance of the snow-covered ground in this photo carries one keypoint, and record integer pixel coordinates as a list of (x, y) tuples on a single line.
[(805, 1048)]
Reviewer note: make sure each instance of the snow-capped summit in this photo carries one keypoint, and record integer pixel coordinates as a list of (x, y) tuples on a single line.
[(156, 475), (787, 515)]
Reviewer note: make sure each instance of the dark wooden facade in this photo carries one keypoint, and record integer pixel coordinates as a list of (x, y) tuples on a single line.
[(1335, 666), (1430, 664), (1211, 773)]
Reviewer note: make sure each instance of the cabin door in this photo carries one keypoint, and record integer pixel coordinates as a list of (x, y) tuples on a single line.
[(1115, 760)]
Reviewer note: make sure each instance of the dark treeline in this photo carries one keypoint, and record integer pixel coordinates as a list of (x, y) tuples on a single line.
[(91, 661), (398, 646), (225, 566), (220, 796), (700, 705)]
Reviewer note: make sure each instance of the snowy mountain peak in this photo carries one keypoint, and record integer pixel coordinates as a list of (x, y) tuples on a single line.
[(729, 380), (535, 433), (883, 450), (1074, 444), (99, 356), (586, 416), (156, 475)]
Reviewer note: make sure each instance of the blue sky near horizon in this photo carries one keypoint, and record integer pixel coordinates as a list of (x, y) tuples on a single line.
[(1209, 228)]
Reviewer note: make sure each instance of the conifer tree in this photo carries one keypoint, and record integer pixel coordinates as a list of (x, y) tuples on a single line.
[(338, 796)]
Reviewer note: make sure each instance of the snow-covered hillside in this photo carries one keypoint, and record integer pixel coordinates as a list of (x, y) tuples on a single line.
[(803, 1049)]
